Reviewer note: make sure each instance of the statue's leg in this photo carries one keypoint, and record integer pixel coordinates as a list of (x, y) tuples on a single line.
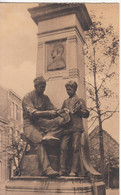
[(44, 161), (35, 134), (42, 156), (64, 153), (75, 152)]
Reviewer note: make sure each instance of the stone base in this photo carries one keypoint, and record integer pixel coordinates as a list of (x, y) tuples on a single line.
[(2, 188), (30, 166), (48, 186), (99, 188)]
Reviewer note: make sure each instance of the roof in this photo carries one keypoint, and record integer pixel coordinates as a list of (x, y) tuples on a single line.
[(96, 130)]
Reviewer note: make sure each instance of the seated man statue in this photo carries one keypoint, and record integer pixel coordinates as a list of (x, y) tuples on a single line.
[(72, 133), (42, 122)]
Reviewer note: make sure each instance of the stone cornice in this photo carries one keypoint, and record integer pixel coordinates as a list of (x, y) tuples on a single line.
[(63, 30), (52, 10), (3, 120)]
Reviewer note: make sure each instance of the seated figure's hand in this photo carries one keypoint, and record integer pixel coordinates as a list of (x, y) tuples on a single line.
[(66, 110), (61, 111), (52, 113)]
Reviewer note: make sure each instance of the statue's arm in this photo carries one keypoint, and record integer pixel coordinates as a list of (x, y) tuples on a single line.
[(81, 109), (84, 113), (63, 105), (34, 113), (45, 114), (28, 106)]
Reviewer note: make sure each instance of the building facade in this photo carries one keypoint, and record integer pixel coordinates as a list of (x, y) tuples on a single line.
[(111, 154), (10, 126)]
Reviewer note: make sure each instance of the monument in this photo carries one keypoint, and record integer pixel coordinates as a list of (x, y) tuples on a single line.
[(60, 58)]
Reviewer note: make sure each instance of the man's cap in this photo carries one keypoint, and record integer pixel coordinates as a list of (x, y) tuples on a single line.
[(72, 84), (39, 80)]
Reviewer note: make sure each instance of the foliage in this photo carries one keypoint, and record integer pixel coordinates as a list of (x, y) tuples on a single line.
[(101, 50), (12, 146)]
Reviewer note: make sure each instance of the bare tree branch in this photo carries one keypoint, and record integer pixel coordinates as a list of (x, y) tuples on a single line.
[(109, 111), (92, 123), (106, 76), (110, 115), (90, 84), (90, 109), (90, 98)]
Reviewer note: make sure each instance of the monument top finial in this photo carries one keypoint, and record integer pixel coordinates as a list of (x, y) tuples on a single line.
[(47, 11)]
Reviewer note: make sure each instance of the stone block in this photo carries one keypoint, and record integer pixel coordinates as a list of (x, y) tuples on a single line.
[(30, 166), (99, 188), (49, 186), (54, 161)]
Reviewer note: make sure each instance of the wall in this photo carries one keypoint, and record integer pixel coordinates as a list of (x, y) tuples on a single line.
[(11, 122)]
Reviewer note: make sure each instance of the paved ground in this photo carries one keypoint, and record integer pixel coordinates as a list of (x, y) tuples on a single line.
[(112, 192)]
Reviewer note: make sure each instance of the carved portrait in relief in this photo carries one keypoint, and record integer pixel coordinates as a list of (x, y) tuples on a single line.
[(56, 55)]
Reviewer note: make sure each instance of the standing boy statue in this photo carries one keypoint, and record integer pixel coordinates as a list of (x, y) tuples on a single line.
[(73, 131)]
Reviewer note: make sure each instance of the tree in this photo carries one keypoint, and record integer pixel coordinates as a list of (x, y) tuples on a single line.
[(101, 50), (12, 147), (15, 151)]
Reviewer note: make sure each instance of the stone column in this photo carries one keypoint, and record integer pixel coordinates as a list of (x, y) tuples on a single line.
[(61, 24)]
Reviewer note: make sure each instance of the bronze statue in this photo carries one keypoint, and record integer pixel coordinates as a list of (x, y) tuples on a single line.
[(72, 132), (42, 122)]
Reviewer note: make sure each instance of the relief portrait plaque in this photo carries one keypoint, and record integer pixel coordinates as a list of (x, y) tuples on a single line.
[(56, 55)]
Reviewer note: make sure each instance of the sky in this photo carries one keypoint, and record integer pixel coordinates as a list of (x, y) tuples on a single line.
[(18, 47)]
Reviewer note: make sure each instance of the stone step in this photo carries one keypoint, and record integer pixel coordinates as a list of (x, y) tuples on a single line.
[(43, 185), (41, 178)]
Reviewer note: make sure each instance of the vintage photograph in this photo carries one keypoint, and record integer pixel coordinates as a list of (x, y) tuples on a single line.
[(59, 98)]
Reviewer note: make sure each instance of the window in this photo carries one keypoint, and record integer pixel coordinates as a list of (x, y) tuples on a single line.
[(0, 139), (17, 113), (14, 114), (10, 136), (21, 115), (0, 170), (10, 131), (12, 110)]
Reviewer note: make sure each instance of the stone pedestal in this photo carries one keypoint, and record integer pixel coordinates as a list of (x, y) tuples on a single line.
[(44, 185), (30, 166)]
